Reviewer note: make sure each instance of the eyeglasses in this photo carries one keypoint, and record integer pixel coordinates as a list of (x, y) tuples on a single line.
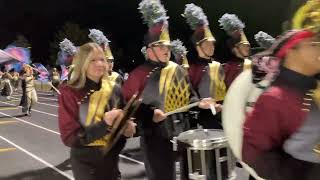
[(162, 46)]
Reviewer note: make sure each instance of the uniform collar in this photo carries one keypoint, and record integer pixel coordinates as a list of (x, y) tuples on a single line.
[(204, 61), (296, 80), (237, 60), (156, 64), (91, 85)]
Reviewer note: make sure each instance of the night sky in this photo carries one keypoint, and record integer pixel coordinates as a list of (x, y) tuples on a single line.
[(40, 20)]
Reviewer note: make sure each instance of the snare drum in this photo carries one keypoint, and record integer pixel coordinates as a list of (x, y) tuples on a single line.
[(204, 155)]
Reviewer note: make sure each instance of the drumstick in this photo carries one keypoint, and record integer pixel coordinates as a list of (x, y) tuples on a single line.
[(182, 109), (213, 109)]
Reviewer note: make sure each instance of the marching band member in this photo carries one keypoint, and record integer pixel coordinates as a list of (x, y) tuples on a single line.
[(29, 94), (281, 134), (68, 51), (55, 78), (113, 75), (7, 89), (163, 86), (238, 47), (206, 74), (264, 40), (180, 53), (15, 80), (88, 106), (98, 37)]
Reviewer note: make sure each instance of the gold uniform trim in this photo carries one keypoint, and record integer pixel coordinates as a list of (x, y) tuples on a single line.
[(207, 36), (185, 63), (176, 89), (164, 36), (97, 104), (243, 39), (247, 64), (113, 76), (177, 96), (307, 16), (217, 82), (316, 95), (166, 77)]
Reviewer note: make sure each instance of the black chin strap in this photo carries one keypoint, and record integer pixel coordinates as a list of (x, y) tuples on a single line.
[(162, 64), (155, 54)]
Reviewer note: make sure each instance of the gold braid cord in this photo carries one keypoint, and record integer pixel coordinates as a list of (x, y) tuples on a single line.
[(316, 96), (308, 16)]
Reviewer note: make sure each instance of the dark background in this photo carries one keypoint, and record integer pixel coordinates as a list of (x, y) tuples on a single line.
[(39, 21)]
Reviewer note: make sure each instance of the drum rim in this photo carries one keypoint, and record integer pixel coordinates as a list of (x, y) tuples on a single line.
[(211, 142)]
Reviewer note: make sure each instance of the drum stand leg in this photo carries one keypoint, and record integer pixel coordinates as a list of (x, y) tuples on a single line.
[(189, 161), (203, 162), (230, 160), (218, 164)]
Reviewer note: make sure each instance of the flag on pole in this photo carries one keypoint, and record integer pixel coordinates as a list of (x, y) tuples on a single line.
[(43, 72), (64, 73), (20, 53)]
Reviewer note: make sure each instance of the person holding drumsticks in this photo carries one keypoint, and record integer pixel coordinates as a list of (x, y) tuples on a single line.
[(164, 88), (206, 74), (29, 94), (88, 106)]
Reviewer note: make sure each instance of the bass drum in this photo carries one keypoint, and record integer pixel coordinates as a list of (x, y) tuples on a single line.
[(233, 114)]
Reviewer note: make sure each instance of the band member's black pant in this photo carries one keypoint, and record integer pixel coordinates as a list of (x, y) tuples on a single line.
[(89, 163), (158, 158)]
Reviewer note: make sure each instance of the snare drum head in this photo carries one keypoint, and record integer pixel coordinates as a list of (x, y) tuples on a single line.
[(208, 135)]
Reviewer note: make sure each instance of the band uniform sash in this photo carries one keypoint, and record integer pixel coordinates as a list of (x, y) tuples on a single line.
[(217, 84), (97, 105)]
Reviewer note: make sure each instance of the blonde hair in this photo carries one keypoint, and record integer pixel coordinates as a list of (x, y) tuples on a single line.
[(81, 63), (27, 69)]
